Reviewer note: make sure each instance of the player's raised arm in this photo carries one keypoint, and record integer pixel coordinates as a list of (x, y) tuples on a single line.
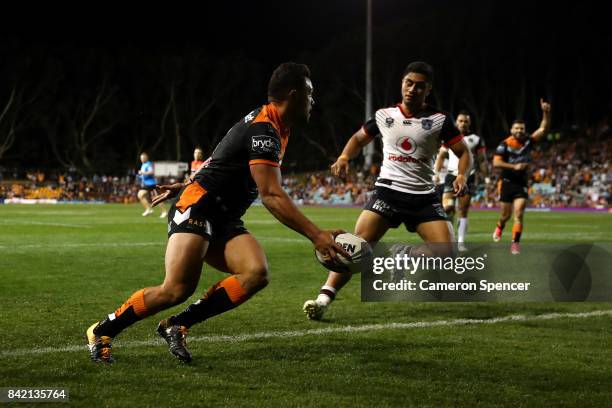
[(545, 124), (358, 141), (278, 202)]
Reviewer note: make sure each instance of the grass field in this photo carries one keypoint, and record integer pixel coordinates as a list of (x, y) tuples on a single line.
[(63, 267)]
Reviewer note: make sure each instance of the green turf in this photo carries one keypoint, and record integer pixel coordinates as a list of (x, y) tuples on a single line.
[(63, 267)]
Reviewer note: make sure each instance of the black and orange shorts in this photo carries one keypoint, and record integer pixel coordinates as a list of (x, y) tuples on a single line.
[(197, 212), (511, 190)]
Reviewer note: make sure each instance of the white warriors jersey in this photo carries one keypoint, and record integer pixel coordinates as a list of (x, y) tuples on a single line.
[(475, 144), (410, 146)]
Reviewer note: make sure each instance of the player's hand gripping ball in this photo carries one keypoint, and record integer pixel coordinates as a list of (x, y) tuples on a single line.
[(357, 247)]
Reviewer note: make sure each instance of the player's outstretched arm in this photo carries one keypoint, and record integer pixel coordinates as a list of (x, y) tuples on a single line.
[(166, 192), (465, 164), (278, 202), (545, 124), (358, 141)]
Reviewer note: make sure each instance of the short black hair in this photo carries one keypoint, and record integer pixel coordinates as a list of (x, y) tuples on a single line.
[(287, 76), (420, 67), (464, 113), (518, 121)]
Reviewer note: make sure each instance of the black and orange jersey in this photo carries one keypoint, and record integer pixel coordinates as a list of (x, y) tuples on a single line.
[(513, 151), (258, 138)]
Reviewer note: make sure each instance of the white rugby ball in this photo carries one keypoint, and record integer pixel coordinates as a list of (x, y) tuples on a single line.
[(357, 247)]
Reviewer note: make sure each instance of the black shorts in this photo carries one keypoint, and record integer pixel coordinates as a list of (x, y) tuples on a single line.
[(409, 209), (148, 188), (471, 184), (202, 216), (440, 190), (511, 190)]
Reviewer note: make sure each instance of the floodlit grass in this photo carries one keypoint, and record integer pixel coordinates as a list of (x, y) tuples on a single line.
[(63, 267)]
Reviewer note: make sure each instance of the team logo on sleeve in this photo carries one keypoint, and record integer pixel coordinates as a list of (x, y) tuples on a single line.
[(406, 145), (265, 144), (426, 124), (249, 117)]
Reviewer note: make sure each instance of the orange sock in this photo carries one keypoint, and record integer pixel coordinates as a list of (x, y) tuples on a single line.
[(136, 301), (131, 311), (517, 229), (234, 290)]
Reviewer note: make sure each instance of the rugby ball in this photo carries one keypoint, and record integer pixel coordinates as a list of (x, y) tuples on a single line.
[(357, 247)]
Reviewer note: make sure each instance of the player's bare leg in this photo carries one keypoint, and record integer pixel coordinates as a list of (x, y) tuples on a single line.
[(438, 241), (244, 259), (143, 197), (462, 225), (518, 209), (369, 226), (439, 233), (506, 212), (448, 202), (184, 258)]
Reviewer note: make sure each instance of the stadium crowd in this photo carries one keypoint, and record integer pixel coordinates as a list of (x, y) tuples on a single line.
[(573, 173)]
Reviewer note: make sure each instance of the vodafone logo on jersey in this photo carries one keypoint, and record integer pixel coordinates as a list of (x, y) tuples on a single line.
[(406, 145), (403, 159)]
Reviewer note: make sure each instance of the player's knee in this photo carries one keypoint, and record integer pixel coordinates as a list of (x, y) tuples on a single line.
[(175, 294), (255, 278)]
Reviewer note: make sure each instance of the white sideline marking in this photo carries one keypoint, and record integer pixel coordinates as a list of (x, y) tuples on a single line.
[(327, 330), (82, 245), (132, 244), (51, 224)]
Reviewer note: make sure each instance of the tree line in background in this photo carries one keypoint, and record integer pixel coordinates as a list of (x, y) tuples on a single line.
[(95, 110)]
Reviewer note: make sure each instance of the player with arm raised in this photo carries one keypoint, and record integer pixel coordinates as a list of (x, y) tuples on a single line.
[(512, 156)]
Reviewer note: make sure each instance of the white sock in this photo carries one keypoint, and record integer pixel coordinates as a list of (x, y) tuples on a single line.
[(462, 229), (325, 299)]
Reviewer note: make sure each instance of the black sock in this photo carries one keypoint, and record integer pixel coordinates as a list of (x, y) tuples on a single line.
[(213, 304), (112, 328)]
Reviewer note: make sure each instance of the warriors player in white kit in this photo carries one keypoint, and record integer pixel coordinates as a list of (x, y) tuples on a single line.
[(477, 147), (411, 133)]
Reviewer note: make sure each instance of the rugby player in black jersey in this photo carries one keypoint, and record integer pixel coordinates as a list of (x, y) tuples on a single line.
[(512, 156), (205, 223)]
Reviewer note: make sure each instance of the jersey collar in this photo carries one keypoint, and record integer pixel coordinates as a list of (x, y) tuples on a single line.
[(405, 113), (275, 120)]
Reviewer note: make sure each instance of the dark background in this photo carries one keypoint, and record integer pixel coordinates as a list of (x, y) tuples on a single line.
[(91, 88)]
